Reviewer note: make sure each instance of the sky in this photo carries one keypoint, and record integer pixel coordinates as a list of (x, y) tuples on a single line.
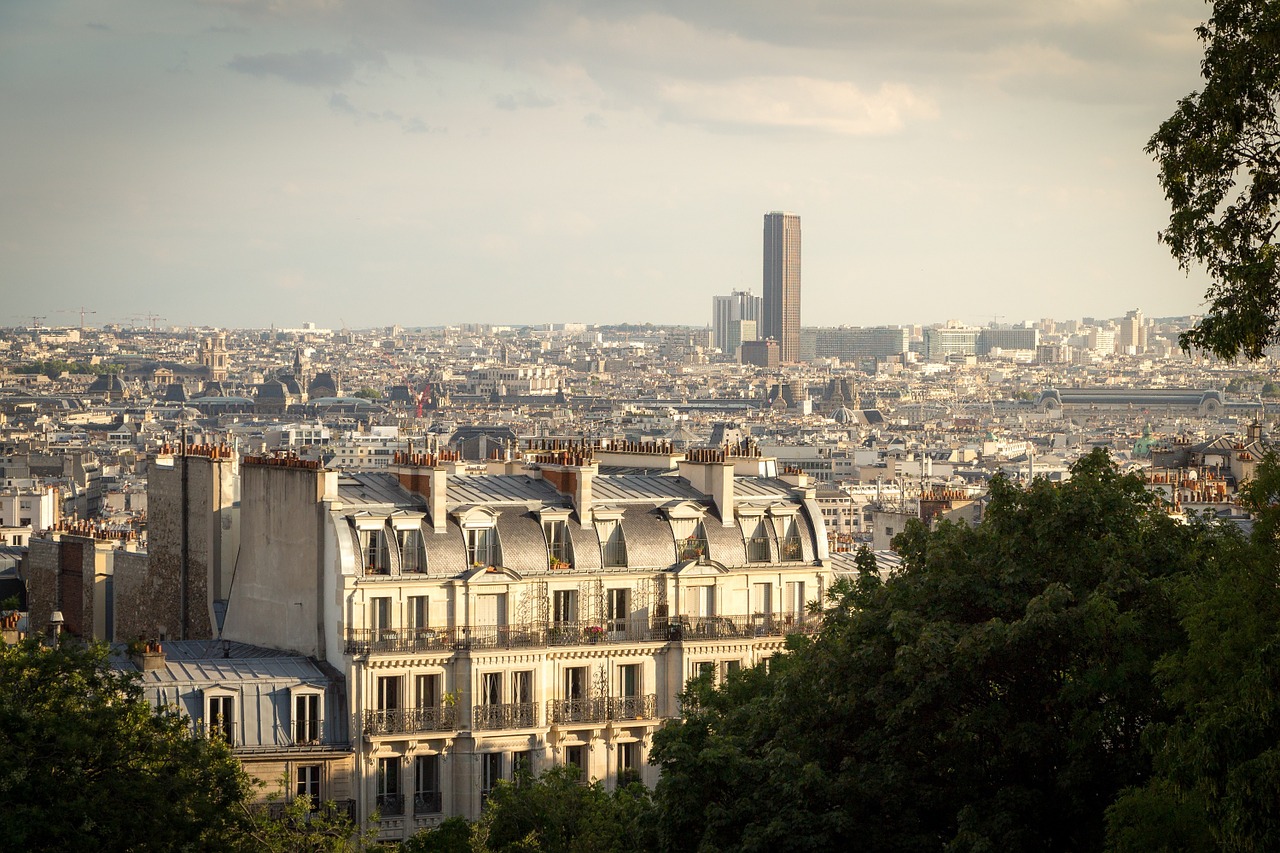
[(256, 163)]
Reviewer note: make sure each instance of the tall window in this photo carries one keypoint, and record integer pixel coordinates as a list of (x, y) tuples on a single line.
[(791, 548), (628, 763), (576, 756), (490, 773), (374, 544), (306, 718), (522, 687), (389, 800), (491, 688), (380, 616), (426, 785), (564, 605), (762, 598), (411, 556), (614, 544), (419, 610), (222, 718), (758, 543), (482, 546), (794, 604), (558, 553), (619, 608), (388, 697), (575, 682), (308, 784), (629, 680), (426, 690)]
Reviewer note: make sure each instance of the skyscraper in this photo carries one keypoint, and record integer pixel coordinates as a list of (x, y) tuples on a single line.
[(740, 305), (781, 319)]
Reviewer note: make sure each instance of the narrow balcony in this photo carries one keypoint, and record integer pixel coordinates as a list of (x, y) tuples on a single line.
[(734, 627), (428, 802), (602, 709), (390, 805), (364, 641), (411, 720), (513, 715)]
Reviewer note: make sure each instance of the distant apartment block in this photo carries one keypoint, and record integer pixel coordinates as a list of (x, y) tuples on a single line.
[(1007, 339), (952, 339), (858, 343), (761, 353)]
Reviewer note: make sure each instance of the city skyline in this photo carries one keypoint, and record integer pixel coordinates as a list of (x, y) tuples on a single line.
[(255, 163)]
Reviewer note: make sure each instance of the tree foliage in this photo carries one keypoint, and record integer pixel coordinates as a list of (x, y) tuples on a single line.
[(991, 695), (1219, 160), (1218, 757), (87, 764)]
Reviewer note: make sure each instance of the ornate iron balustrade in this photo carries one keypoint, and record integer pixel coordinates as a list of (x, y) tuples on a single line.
[(427, 802), (741, 627), (513, 715), (691, 548), (532, 635), (363, 641), (633, 707), (410, 720), (592, 710), (390, 805), (791, 550)]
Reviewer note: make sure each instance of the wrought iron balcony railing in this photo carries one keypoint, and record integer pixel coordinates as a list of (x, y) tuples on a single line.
[(514, 715), (427, 802), (390, 805), (409, 720)]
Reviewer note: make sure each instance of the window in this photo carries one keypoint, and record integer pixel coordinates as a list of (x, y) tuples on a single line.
[(482, 546), (491, 688), (374, 545), (306, 718), (490, 773), (794, 603), (419, 614), (521, 766), (576, 756), (629, 680), (694, 545), (426, 785), (628, 763), (613, 543), (791, 548), (389, 799), (758, 543), (388, 697), (618, 609), (575, 682), (728, 668), (426, 690), (700, 601), (564, 605), (222, 717), (558, 553), (762, 598), (308, 784), (380, 617), (491, 609), (522, 687), (411, 556)]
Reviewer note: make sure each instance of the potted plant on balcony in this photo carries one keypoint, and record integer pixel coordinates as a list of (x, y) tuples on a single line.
[(557, 563), (594, 633)]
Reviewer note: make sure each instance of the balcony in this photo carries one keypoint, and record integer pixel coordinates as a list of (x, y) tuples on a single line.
[(790, 549), (606, 631), (390, 805), (600, 710), (531, 635), (514, 715), (427, 802), (410, 720), (758, 549), (693, 628), (363, 641)]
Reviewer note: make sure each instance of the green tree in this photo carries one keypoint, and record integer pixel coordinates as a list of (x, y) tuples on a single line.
[(1218, 758), (1219, 160), (557, 813), (296, 828), (87, 764), (368, 393), (992, 694), (453, 835)]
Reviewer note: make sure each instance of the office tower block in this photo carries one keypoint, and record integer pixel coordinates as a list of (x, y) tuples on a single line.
[(739, 305), (781, 319)]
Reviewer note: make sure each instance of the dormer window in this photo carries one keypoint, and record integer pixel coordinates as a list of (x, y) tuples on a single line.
[(221, 715), (558, 552), (693, 546), (757, 540), (613, 543), (412, 556), (306, 707), (482, 546)]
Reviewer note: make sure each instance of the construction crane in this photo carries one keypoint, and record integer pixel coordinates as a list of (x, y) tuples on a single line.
[(35, 321), (82, 311), (150, 318)]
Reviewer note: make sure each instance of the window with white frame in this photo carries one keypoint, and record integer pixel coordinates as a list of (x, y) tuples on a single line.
[(380, 617), (482, 546), (426, 690), (618, 606), (427, 797), (613, 544), (373, 543), (559, 554), (564, 606), (490, 774), (306, 720), (628, 762), (412, 556), (220, 715), (307, 784), (419, 612)]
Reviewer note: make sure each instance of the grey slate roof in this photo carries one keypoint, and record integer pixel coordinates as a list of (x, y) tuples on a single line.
[(650, 543), (724, 543), (524, 548)]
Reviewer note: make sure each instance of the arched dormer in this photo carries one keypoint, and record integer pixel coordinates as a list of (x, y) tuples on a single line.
[(688, 532), (480, 530)]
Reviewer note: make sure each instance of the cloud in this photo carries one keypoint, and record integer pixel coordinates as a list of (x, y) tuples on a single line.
[(797, 103), (526, 99), (341, 104), (98, 25), (311, 67)]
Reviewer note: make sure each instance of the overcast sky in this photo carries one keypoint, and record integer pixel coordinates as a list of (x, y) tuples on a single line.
[(260, 162)]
